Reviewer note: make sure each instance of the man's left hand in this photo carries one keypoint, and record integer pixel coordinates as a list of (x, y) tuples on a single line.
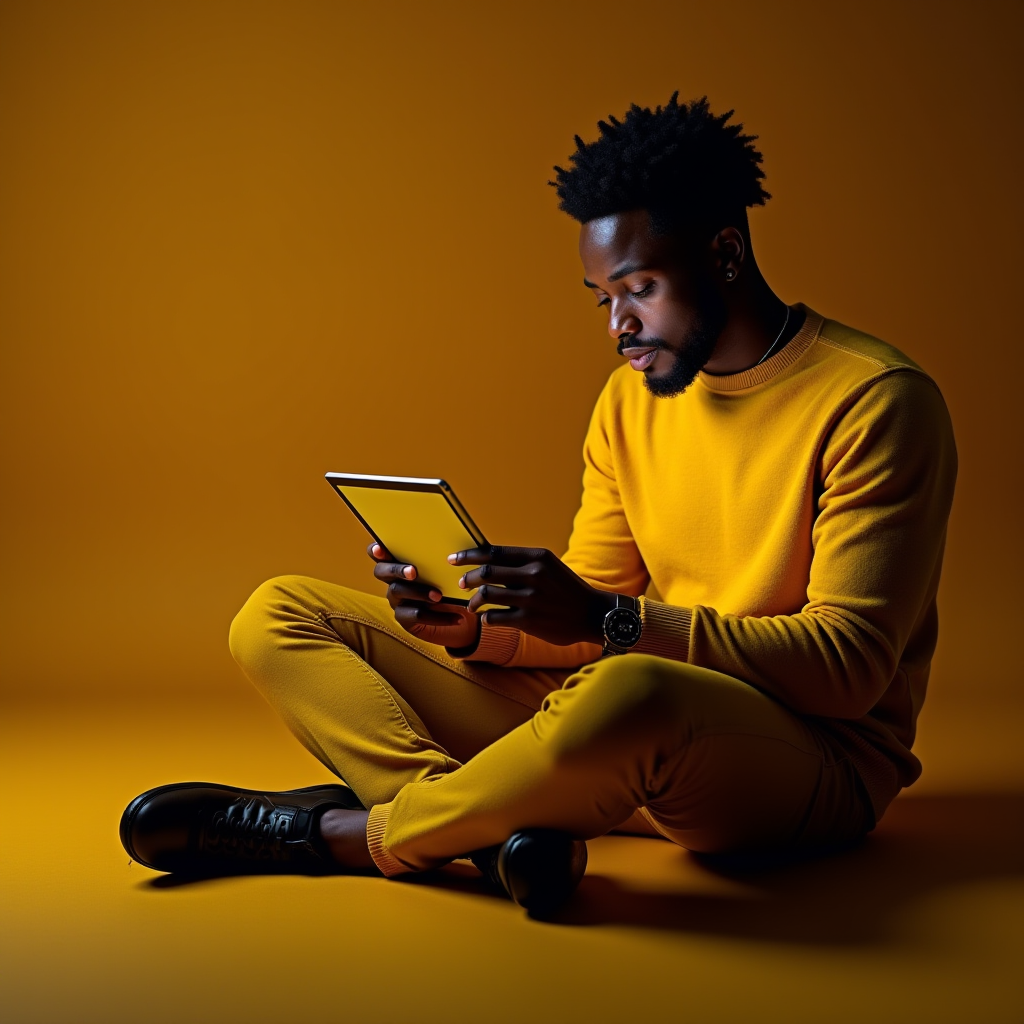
[(544, 597)]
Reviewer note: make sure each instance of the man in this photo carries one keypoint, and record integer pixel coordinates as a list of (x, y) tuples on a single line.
[(735, 648)]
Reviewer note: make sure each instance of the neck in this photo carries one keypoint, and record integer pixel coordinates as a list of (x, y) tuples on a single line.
[(755, 317)]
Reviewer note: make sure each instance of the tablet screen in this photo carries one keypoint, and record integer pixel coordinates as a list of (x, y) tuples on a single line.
[(418, 527)]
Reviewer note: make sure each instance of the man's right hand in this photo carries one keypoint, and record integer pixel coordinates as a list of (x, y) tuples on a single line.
[(419, 609)]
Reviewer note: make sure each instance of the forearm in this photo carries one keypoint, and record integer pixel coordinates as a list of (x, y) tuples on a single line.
[(816, 664), (825, 662)]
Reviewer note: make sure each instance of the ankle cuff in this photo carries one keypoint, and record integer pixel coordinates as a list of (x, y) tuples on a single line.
[(376, 824)]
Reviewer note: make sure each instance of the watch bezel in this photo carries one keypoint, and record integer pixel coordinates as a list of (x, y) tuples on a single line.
[(622, 613)]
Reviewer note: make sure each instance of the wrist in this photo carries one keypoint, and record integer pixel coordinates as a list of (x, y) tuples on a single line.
[(470, 648)]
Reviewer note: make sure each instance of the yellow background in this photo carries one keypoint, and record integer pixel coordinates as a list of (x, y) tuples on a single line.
[(242, 244)]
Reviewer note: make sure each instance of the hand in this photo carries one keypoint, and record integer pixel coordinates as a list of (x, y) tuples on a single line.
[(419, 609), (545, 598)]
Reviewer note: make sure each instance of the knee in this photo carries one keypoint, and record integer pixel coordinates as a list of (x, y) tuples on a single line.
[(252, 629), (638, 685), (621, 697)]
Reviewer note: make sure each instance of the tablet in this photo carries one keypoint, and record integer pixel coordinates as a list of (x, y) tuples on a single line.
[(418, 520)]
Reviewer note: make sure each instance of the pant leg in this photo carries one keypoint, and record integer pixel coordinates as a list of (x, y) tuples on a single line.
[(717, 765), (378, 707)]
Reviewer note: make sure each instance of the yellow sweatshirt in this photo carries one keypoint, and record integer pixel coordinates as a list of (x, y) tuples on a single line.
[(786, 525)]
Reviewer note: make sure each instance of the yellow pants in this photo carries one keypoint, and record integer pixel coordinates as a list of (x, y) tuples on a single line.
[(453, 756)]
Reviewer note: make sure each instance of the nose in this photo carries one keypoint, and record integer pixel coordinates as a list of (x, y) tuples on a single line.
[(623, 321)]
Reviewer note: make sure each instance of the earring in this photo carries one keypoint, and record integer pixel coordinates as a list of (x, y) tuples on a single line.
[(730, 274)]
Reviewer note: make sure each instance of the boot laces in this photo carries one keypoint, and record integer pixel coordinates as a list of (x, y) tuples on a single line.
[(251, 829)]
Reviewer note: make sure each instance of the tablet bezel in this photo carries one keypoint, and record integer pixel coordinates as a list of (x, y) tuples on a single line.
[(434, 485)]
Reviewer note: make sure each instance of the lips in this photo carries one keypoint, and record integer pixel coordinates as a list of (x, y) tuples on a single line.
[(640, 357)]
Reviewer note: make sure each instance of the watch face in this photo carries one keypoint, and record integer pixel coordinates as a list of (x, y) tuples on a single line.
[(622, 627)]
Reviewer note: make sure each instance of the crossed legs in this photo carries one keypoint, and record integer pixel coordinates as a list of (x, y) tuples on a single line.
[(450, 757)]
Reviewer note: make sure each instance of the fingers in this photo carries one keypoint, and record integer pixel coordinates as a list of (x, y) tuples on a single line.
[(475, 556), (400, 592), (500, 595), (497, 555), (501, 575), (513, 617), (407, 615), (388, 571)]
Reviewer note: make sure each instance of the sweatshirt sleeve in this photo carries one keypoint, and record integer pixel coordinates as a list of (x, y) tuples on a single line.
[(887, 469), (512, 648), (601, 550)]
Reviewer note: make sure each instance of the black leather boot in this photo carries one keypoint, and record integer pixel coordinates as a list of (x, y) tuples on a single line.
[(538, 868), (204, 828)]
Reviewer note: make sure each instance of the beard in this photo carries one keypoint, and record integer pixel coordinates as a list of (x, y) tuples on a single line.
[(694, 351)]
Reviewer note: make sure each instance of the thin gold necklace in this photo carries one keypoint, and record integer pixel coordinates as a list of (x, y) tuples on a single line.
[(782, 331)]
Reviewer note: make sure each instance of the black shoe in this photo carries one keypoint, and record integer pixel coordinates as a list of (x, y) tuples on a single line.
[(539, 868), (203, 828)]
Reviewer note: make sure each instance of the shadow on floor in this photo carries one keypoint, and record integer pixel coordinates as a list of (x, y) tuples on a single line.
[(459, 876), (922, 846)]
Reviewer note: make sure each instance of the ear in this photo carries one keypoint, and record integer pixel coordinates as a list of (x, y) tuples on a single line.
[(729, 250)]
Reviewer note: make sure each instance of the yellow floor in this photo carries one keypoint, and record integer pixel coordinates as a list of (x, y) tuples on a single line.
[(925, 922)]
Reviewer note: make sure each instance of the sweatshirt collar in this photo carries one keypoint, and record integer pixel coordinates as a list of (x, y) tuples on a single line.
[(774, 365)]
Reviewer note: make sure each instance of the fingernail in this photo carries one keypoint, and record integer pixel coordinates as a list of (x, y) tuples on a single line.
[(453, 559), (434, 595), (408, 572), (462, 582)]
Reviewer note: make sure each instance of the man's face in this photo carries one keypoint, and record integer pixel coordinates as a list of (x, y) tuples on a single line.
[(663, 308)]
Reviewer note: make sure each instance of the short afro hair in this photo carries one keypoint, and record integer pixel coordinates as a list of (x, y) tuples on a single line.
[(681, 163)]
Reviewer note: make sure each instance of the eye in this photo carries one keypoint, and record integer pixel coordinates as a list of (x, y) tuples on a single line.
[(645, 291), (603, 302)]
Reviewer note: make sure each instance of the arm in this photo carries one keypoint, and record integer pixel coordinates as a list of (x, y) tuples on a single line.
[(888, 468), (887, 472)]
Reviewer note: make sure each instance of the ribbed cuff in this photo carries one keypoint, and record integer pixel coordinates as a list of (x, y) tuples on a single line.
[(498, 645), (666, 630), (388, 864)]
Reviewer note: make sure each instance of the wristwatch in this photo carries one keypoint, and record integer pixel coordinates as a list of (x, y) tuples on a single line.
[(622, 626)]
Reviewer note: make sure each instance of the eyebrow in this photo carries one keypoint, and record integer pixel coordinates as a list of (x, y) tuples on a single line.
[(629, 268)]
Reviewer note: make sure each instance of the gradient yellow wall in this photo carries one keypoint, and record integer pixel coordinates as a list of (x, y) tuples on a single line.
[(246, 243)]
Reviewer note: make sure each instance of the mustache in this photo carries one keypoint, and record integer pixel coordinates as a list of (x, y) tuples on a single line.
[(631, 340)]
